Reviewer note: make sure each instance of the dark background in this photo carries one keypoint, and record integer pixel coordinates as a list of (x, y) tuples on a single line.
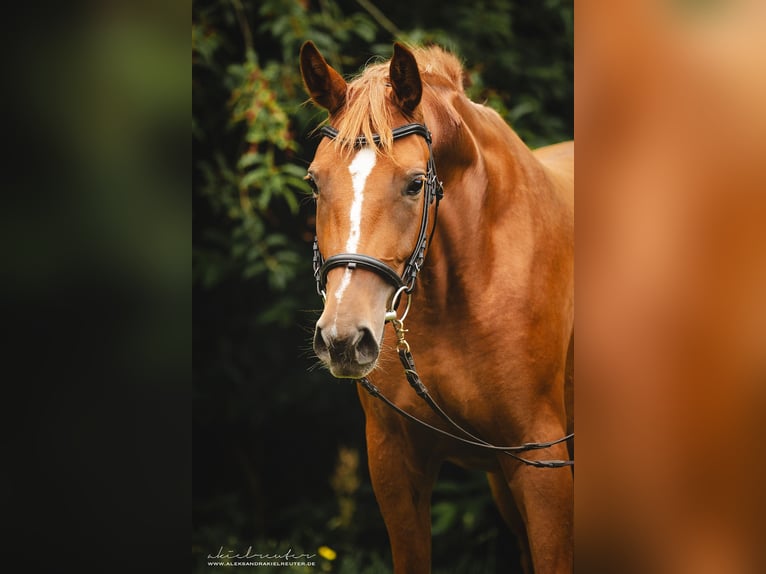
[(278, 444)]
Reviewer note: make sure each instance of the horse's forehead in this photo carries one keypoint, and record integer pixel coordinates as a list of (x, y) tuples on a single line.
[(358, 172)]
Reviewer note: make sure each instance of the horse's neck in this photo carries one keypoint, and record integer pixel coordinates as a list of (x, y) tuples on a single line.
[(486, 152), (492, 187), (488, 171)]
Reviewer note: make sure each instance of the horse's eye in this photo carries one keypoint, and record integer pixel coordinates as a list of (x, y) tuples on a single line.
[(312, 183), (415, 186)]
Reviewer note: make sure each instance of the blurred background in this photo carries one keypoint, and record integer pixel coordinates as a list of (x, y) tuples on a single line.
[(278, 444), (671, 276)]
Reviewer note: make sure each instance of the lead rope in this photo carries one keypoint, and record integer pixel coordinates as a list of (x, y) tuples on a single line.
[(405, 356)]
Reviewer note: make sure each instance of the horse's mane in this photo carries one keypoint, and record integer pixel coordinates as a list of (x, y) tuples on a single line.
[(368, 109)]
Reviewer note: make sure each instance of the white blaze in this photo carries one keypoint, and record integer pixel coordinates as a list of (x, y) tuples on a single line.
[(359, 168)]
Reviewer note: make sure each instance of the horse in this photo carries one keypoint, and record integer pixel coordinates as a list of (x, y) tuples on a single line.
[(489, 291)]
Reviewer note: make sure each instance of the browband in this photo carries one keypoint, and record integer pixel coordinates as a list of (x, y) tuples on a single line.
[(396, 133)]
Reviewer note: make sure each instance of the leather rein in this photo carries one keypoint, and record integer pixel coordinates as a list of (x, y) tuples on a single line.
[(404, 284)]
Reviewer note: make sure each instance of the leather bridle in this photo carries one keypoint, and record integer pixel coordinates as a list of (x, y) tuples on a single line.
[(404, 284), (433, 192)]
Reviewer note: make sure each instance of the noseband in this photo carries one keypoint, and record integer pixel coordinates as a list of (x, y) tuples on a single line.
[(433, 192)]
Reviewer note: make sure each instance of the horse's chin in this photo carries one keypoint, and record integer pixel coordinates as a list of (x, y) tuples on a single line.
[(351, 370)]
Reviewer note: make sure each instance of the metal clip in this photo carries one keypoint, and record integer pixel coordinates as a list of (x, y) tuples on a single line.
[(401, 342)]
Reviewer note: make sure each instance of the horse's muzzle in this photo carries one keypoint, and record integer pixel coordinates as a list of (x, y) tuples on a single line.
[(351, 354)]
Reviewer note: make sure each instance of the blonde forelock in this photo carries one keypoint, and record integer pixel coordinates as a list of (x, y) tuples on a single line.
[(369, 110)]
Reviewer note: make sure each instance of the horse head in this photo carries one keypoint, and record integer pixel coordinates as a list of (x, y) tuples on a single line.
[(370, 205)]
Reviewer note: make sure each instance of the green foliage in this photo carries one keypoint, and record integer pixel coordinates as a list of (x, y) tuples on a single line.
[(267, 427)]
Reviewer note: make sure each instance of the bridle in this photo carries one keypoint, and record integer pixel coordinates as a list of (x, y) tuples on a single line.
[(433, 192), (405, 283)]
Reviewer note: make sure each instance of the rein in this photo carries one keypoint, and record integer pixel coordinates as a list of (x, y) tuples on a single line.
[(405, 284), (405, 357)]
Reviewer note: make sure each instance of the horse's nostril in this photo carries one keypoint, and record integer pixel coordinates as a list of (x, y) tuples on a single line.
[(366, 347), (320, 345), (357, 347)]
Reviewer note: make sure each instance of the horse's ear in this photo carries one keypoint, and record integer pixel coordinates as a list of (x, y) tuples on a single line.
[(405, 79), (325, 86)]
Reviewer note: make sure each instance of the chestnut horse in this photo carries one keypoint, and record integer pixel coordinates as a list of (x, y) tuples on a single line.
[(490, 317)]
